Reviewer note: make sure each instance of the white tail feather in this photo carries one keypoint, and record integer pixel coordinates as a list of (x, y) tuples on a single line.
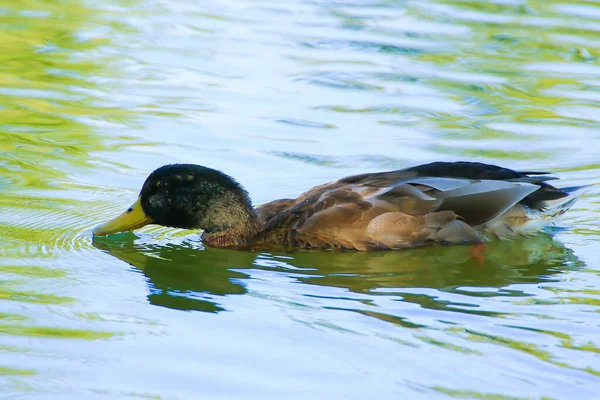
[(520, 220)]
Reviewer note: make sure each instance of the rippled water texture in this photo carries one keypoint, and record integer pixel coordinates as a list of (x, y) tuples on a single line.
[(285, 95)]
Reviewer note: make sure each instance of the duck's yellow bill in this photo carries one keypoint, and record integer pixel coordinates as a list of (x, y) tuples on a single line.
[(131, 219)]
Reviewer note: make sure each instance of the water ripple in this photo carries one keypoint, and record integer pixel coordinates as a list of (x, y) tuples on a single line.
[(285, 96)]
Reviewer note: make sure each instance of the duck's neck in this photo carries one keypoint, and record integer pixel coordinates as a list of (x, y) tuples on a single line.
[(241, 234)]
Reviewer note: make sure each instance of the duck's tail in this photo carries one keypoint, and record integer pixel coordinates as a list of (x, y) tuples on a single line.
[(551, 209), (521, 220)]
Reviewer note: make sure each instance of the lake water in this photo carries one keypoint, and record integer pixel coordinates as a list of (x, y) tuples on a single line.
[(284, 95)]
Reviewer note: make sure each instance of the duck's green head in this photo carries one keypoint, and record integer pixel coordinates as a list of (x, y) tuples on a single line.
[(185, 196)]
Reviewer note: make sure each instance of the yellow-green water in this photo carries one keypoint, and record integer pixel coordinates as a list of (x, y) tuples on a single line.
[(285, 95)]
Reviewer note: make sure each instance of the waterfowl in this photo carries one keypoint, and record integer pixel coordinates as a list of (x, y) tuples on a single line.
[(431, 204)]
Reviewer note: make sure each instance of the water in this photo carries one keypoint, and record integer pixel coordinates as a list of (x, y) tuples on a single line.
[(285, 95)]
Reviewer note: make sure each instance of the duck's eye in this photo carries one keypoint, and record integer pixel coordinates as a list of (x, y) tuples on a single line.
[(130, 209)]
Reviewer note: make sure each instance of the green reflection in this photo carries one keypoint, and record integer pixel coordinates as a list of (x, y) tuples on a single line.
[(471, 394), (54, 93), (52, 332), (16, 371), (183, 277), (32, 271), (529, 260), (51, 102), (532, 349), (7, 293), (40, 111), (447, 269), (53, 97)]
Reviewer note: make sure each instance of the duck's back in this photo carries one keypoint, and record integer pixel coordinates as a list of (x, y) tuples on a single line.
[(428, 204)]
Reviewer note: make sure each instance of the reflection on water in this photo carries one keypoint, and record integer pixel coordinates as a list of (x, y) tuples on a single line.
[(285, 95), (186, 277), (174, 279), (448, 282)]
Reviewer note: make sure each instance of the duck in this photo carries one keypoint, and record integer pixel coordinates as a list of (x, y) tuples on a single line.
[(440, 203)]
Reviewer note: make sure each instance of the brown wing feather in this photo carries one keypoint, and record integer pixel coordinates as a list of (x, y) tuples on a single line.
[(396, 209), (338, 215), (268, 211)]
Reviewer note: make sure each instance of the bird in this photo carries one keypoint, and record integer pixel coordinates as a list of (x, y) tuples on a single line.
[(440, 203)]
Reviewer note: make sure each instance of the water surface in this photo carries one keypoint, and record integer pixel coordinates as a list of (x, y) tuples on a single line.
[(284, 95)]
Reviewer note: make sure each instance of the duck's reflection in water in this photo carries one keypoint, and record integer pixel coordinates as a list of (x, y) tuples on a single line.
[(182, 276), (186, 276)]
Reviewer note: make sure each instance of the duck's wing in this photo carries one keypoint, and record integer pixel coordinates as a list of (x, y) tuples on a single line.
[(396, 208), (477, 192), (460, 170), (475, 201), (537, 200), (268, 211)]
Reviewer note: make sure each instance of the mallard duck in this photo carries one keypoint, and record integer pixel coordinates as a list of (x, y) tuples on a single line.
[(431, 204)]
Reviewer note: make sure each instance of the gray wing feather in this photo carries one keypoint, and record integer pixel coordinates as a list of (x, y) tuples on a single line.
[(475, 201), (441, 184), (409, 199), (483, 201)]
